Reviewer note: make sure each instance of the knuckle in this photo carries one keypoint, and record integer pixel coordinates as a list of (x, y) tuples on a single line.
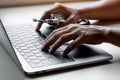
[(58, 4), (71, 25), (72, 16), (55, 31)]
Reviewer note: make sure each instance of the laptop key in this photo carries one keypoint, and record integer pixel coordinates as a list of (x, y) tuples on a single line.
[(16, 46), (22, 53), (38, 46), (46, 62), (36, 51), (42, 57), (32, 57), (32, 65), (27, 51), (36, 61), (20, 45), (54, 60), (19, 50), (32, 41), (18, 42), (39, 54), (25, 57), (39, 64), (33, 48), (29, 54), (24, 48), (47, 55), (29, 45), (28, 60)]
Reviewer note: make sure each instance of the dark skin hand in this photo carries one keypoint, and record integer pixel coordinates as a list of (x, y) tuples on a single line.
[(89, 34), (103, 10), (79, 34), (69, 14)]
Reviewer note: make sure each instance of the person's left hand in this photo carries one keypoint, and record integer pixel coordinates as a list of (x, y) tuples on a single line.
[(78, 33)]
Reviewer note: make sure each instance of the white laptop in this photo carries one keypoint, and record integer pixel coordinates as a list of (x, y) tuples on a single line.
[(23, 45)]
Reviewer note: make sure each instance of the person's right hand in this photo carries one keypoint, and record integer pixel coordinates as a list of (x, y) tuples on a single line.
[(80, 34), (70, 15)]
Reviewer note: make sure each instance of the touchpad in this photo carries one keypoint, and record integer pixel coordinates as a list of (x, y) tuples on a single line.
[(84, 51)]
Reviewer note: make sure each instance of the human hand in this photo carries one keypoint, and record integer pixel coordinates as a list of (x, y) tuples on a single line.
[(78, 33), (70, 15)]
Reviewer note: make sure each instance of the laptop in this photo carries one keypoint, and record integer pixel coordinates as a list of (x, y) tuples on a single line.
[(23, 45)]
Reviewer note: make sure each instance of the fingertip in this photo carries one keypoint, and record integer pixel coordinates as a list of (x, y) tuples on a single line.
[(65, 52), (42, 48), (36, 29), (51, 51), (38, 26), (68, 49), (45, 47)]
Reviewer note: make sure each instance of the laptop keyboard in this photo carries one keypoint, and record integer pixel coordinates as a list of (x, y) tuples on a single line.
[(28, 42)]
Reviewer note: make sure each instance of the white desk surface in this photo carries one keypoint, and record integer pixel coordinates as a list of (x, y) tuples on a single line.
[(21, 15)]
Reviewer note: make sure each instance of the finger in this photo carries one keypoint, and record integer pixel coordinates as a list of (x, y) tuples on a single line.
[(69, 20), (53, 39), (74, 44), (64, 38), (57, 26), (46, 15), (57, 30)]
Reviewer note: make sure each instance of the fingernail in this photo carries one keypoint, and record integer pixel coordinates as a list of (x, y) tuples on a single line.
[(42, 48), (51, 51), (45, 50)]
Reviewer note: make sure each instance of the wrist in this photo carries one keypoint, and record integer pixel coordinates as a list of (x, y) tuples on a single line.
[(83, 13), (106, 32)]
